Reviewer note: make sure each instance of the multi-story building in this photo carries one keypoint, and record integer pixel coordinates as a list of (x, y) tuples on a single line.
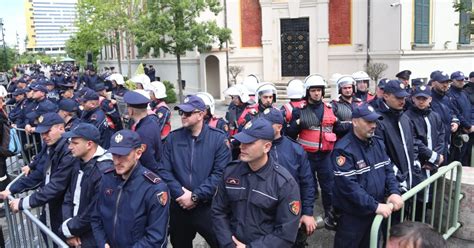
[(49, 24), (278, 40)]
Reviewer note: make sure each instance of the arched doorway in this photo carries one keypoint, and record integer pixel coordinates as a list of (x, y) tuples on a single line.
[(212, 76)]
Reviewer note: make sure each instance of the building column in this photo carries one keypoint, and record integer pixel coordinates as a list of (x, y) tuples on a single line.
[(267, 40), (320, 60)]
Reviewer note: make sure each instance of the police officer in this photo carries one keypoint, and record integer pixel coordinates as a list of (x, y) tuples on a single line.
[(362, 86), (56, 173), (251, 83), (40, 106), (159, 107), (462, 106), (16, 115), (132, 209), (210, 118), (378, 99), (82, 194), (91, 79), (240, 101), (363, 176), (295, 92), (292, 157), (396, 131), (53, 94), (313, 126), (266, 94), (257, 203), (109, 106), (404, 77), (469, 89), (440, 104), (343, 107), (118, 84), (68, 111), (147, 127), (194, 157), (94, 115)]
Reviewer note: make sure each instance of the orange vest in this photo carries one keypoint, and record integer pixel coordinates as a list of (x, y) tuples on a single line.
[(313, 140), (289, 108), (213, 122), (250, 109)]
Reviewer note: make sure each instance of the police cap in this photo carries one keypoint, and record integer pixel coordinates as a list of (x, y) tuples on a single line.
[(191, 103), (124, 141), (273, 115), (259, 128), (136, 100), (46, 121), (405, 74), (84, 130), (366, 112)]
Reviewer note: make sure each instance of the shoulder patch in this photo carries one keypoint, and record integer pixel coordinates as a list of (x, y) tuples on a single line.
[(340, 160), (162, 198), (152, 177), (295, 207)]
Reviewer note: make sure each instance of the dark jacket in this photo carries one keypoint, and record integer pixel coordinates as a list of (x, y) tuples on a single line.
[(148, 129)]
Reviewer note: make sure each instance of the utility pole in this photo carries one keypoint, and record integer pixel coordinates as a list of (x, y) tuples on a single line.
[(4, 46)]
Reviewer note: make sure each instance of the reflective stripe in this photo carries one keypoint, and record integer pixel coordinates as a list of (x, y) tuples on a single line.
[(229, 187), (308, 143), (25, 204), (76, 200), (410, 176), (361, 171), (260, 192), (65, 229)]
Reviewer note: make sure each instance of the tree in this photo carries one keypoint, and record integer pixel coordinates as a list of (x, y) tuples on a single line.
[(173, 26), (375, 70), (11, 58), (235, 70)]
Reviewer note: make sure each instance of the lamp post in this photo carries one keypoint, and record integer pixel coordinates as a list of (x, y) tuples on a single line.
[(4, 46)]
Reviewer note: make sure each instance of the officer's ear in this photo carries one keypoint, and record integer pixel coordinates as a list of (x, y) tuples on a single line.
[(140, 150), (267, 145)]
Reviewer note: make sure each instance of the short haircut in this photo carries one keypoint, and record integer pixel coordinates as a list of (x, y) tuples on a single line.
[(418, 235)]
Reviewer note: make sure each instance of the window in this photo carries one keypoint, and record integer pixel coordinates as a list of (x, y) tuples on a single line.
[(422, 21), (464, 22)]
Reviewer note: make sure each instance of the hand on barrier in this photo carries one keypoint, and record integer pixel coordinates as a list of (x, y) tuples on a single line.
[(309, 222), (396, 200), (237, 243), (4, 194), (26, 169), (74, 241), (15, 205), (384, 209), (29, 129), (454, 127)]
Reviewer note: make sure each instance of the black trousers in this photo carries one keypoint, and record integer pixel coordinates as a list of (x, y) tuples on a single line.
[(184, 224)]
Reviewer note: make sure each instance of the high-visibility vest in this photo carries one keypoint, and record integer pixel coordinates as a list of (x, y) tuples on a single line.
[(316, 136), (289, 106)]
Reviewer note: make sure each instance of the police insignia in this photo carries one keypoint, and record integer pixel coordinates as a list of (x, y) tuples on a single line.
[(162, 198), (295, 207), (108, 192), (227, 143), (160, 115), (40, 119), (266, 111), (340, 160), (118, 138), (248, 125), (93, 117), (371, 109), (232, 181), (402, 86), (186, 100), (422, 87)]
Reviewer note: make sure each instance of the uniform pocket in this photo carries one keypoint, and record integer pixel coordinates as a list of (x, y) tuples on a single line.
[(235, 193), (263, 200)]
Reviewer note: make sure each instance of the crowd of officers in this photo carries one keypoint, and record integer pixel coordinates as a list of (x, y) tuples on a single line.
[(113, 178)]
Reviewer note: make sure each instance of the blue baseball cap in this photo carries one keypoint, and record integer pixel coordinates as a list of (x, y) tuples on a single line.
[(68, 105), (416, 82), (39, 87), (457, 75), (18, 92), (396, 87), (46, 121), (99, 87), (273, 115), (366, 112), (124, 141), (259, 128), (440, 76), (421, 90), (191, 103), (84, 130), (382, 83), (89, 95), (135, 99)]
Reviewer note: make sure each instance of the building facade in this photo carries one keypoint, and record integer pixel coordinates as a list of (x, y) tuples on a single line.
[(279, 40), (49, 24)]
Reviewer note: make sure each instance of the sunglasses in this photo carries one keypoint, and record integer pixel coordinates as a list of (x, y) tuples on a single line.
[(186, 114)]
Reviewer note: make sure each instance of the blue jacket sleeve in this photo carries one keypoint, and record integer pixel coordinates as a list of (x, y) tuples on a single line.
[(153, 147), (166, 169), (32, 181), (96, 221), (221, 217), (345, 180), (221, 158), (307, 187)]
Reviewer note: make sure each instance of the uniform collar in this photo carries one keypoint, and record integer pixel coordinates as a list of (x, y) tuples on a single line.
[(263, 172), (201, 134), (365, 143)]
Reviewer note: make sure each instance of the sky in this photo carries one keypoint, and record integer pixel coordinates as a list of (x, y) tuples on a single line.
[(13, 14)]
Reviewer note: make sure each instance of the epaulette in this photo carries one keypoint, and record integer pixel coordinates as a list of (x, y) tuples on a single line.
[(109, 170), (284, 173), (152, 177)]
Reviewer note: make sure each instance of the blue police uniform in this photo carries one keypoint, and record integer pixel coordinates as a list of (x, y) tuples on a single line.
[(147, 128), (396, 131), (343, 110), (39, 106), (195, 163), (133, 212), (217, 122), (232, 116), (363, 176), (98, 119), (81, 196), (16, 114), (469, 89), (91, 81), (119, 91), (56, 175), (261, 207)]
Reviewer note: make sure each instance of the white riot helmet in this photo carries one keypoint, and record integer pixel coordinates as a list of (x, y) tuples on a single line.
[(295, 89), (314, 80), (335, 77), (145, 94), (159, 89), (144, 80), (266, 87), (251, 83), (238, 90), (345, 80), (117, 77), (208, 99)]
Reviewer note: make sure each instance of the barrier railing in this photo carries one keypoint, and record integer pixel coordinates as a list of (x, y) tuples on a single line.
[(26, 230), (445, 223)]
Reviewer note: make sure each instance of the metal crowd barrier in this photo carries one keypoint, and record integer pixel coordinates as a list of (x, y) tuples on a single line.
[(26, 230), (434, 193)]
